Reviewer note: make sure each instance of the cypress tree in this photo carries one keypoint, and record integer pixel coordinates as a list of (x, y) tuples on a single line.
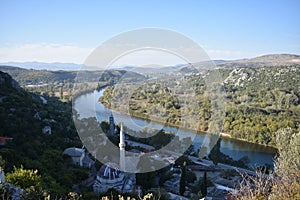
[(215, 153), (182, 179), (204, 185), (61, 92)]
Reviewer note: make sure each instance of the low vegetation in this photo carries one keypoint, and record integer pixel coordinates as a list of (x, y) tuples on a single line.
[(284, 182), (259, 102)]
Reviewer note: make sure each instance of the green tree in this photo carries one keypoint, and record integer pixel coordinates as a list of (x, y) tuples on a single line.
[(182, 159), (204, 185), (146, 180), (215, 154), (2, 162), (287, 165), (182, 179), (61, 91), (190, 177), (288, 145), (104, 126), (24, 178), (284, 183)]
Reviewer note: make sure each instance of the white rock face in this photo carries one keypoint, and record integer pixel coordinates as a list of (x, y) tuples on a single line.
[(37, 116), (47, 130), (43, 100)]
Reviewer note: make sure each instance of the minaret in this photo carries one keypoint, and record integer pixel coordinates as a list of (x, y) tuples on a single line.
[(122, 149)]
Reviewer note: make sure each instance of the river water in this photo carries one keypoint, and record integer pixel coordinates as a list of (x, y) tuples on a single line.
[(87, 105)]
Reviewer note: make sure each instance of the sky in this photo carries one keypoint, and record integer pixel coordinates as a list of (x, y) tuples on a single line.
[(68, 31)]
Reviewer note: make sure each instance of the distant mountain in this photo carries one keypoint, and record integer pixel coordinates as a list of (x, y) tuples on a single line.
[(29, 77), (196, 67), (290, 58), (45, 66), (150, 69), (220, 61), (265, 60), (261, 61)]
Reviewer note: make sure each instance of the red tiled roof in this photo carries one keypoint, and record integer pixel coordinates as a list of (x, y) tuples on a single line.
[(4, 139)]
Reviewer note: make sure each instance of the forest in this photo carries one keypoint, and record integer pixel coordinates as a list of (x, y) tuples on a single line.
[(259, 101)]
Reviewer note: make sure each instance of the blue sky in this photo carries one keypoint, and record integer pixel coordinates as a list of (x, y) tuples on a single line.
[(67, 31)]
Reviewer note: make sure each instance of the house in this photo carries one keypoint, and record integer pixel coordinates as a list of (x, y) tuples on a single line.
[(37, 116), (3, 140), (76, 154), (2, 177), (47, 130), (79, 157), (43, 100)]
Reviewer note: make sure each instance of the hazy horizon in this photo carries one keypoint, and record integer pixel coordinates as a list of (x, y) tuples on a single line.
[(129, 65)]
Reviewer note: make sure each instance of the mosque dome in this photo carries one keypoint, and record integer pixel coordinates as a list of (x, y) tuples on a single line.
[(110, 174)]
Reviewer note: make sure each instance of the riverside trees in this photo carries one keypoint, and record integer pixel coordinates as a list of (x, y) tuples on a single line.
[(284, 182), (259, 101)]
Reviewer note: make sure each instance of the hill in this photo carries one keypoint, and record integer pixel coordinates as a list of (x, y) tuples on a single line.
[(23, 116), (45, 66), (265, 60), (259, 101), (159, 70), (36, 77), (261, 61)]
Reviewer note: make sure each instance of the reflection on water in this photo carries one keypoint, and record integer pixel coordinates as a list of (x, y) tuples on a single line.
[(257, 154)]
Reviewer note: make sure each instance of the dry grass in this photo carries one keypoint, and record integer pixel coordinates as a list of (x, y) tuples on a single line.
[(274, 186)]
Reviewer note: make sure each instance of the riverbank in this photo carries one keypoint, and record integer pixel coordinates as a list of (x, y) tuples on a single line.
[(222, 134), (95, 87), (87, 104), (227, 135)]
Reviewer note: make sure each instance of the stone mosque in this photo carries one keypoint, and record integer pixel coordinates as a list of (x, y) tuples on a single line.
[(112, 175)]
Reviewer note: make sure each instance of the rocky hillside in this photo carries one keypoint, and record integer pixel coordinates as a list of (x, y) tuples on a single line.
[(264, 77), (23, 117), (266, 60), (259, 101), (261, 61)]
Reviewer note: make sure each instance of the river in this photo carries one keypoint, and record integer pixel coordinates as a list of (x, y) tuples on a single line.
[(87, 106)]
